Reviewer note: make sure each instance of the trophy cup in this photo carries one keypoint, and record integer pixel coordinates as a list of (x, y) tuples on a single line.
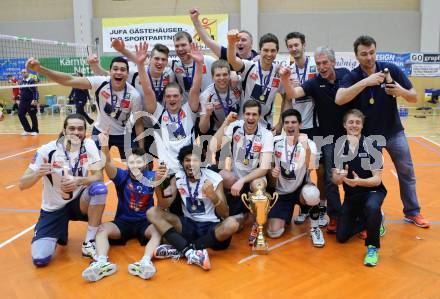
[(260, 203)]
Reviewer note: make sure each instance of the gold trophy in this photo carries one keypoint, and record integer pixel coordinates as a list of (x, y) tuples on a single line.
[(260, 203)]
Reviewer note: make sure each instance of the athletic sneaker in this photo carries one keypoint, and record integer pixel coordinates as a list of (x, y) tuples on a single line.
[(317, 237), (98, 270), (418, 220), (34, 133), (198, 257), (322, 221), (143, 269), (165, 251), (89, 249), (372, 256), (301, 218), (24, 133), (332, 226), (382, 229), (253, 234)]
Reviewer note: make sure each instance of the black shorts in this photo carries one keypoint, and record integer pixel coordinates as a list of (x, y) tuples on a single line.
[(130, 230), (235, 203), (285, 205), (56, 224), (192, 230)]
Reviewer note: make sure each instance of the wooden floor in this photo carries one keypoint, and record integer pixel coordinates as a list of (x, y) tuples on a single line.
[(409, 264)]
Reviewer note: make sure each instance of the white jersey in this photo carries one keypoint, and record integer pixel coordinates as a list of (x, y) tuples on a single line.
[(114, 107), (261, 87), (305, 105), (200, 208), (246, 155), (54, 153), (184, 74), (291, 161), (177, 130), (228, 102)]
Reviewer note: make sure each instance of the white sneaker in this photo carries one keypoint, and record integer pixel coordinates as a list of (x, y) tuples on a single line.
[(199, 257), (301, 218), (89, 249), (143, 269), (34, 133), (24, 133), (317, 237), (322, 221), (99, 270)]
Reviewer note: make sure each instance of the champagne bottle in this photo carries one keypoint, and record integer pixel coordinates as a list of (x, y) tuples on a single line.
[(66, 196), (388, 78)]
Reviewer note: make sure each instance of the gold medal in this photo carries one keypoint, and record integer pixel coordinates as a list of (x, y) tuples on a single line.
[(372, 101), (136, 209), (179, 137), (262, 98), (287, 172), (246, 161), (193, 207)]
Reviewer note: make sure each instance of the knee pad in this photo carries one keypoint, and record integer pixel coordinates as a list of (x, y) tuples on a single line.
[(98, 193), (275, 234), (310, 194), (42, 251)]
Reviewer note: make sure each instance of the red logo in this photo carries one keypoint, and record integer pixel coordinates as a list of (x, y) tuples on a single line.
[(237, 138), (165, 118), (236, 92), (58, 164), (178, 70), (278, 154), (182, 114), (253, 76), (166, 81), (125, 103), (257, 147), (275, 82), (83, 158), (105, 94), (182, 191), (204, 69), (311, 76)]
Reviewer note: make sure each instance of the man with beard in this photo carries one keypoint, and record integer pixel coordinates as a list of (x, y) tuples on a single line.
[(72, 189), (252, 147), (358, 165), (294, 156), (244, 45), (376, 98), (322, 89), (134, 188), (116, 99), (175, 119), (184, 67), (205, 222), (260, 79)]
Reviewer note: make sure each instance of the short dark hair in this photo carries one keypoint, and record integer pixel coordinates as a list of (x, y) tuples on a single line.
[(138, 151), (173, 85), (295, 34), (250, 104), (269, 38), (364, 40), (188, 150), (160, 48), (119, 59), (10, 76), (355, 112), (219, 64), (69, 117), (182, 34), (248, 33), (291, 112)]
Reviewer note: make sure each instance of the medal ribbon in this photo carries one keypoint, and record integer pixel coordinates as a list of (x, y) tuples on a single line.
[(158, 90), (266, 82)]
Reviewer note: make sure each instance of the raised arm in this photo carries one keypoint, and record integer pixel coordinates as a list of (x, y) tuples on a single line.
[(292, 91), (119, 46), (58, 77), (203, 34), (216, 141), (150, 102), (96, 68), (233, 38), (110, 169), (194, 92)]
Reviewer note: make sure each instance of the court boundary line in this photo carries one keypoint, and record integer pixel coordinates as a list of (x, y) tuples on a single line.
[(10, 240), (430, 140), (18, 154)]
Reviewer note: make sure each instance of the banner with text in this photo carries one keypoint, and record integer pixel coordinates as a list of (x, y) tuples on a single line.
[(160, 30)]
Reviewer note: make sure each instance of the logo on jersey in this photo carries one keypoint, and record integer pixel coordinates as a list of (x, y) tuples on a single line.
[(311, 76), (125, 103), (182, 191), (236, 92), (178, 70), (257, 147), (165, 118), (166, 80), (58, 164), (182, 114), (253, 76), (275, 82), (278, 154), (83, 158), (312, 69), (236, 138), (105, 94)]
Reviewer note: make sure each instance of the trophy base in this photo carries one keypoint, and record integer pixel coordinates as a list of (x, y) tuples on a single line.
[(260, 250)]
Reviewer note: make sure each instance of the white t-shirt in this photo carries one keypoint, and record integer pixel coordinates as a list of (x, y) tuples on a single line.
[(231, 104), (262, 142), (292, 171), (174, 137), (88, 155), (185, 72), (305, 105), (116, 118), (201, 209), (254, 88)]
